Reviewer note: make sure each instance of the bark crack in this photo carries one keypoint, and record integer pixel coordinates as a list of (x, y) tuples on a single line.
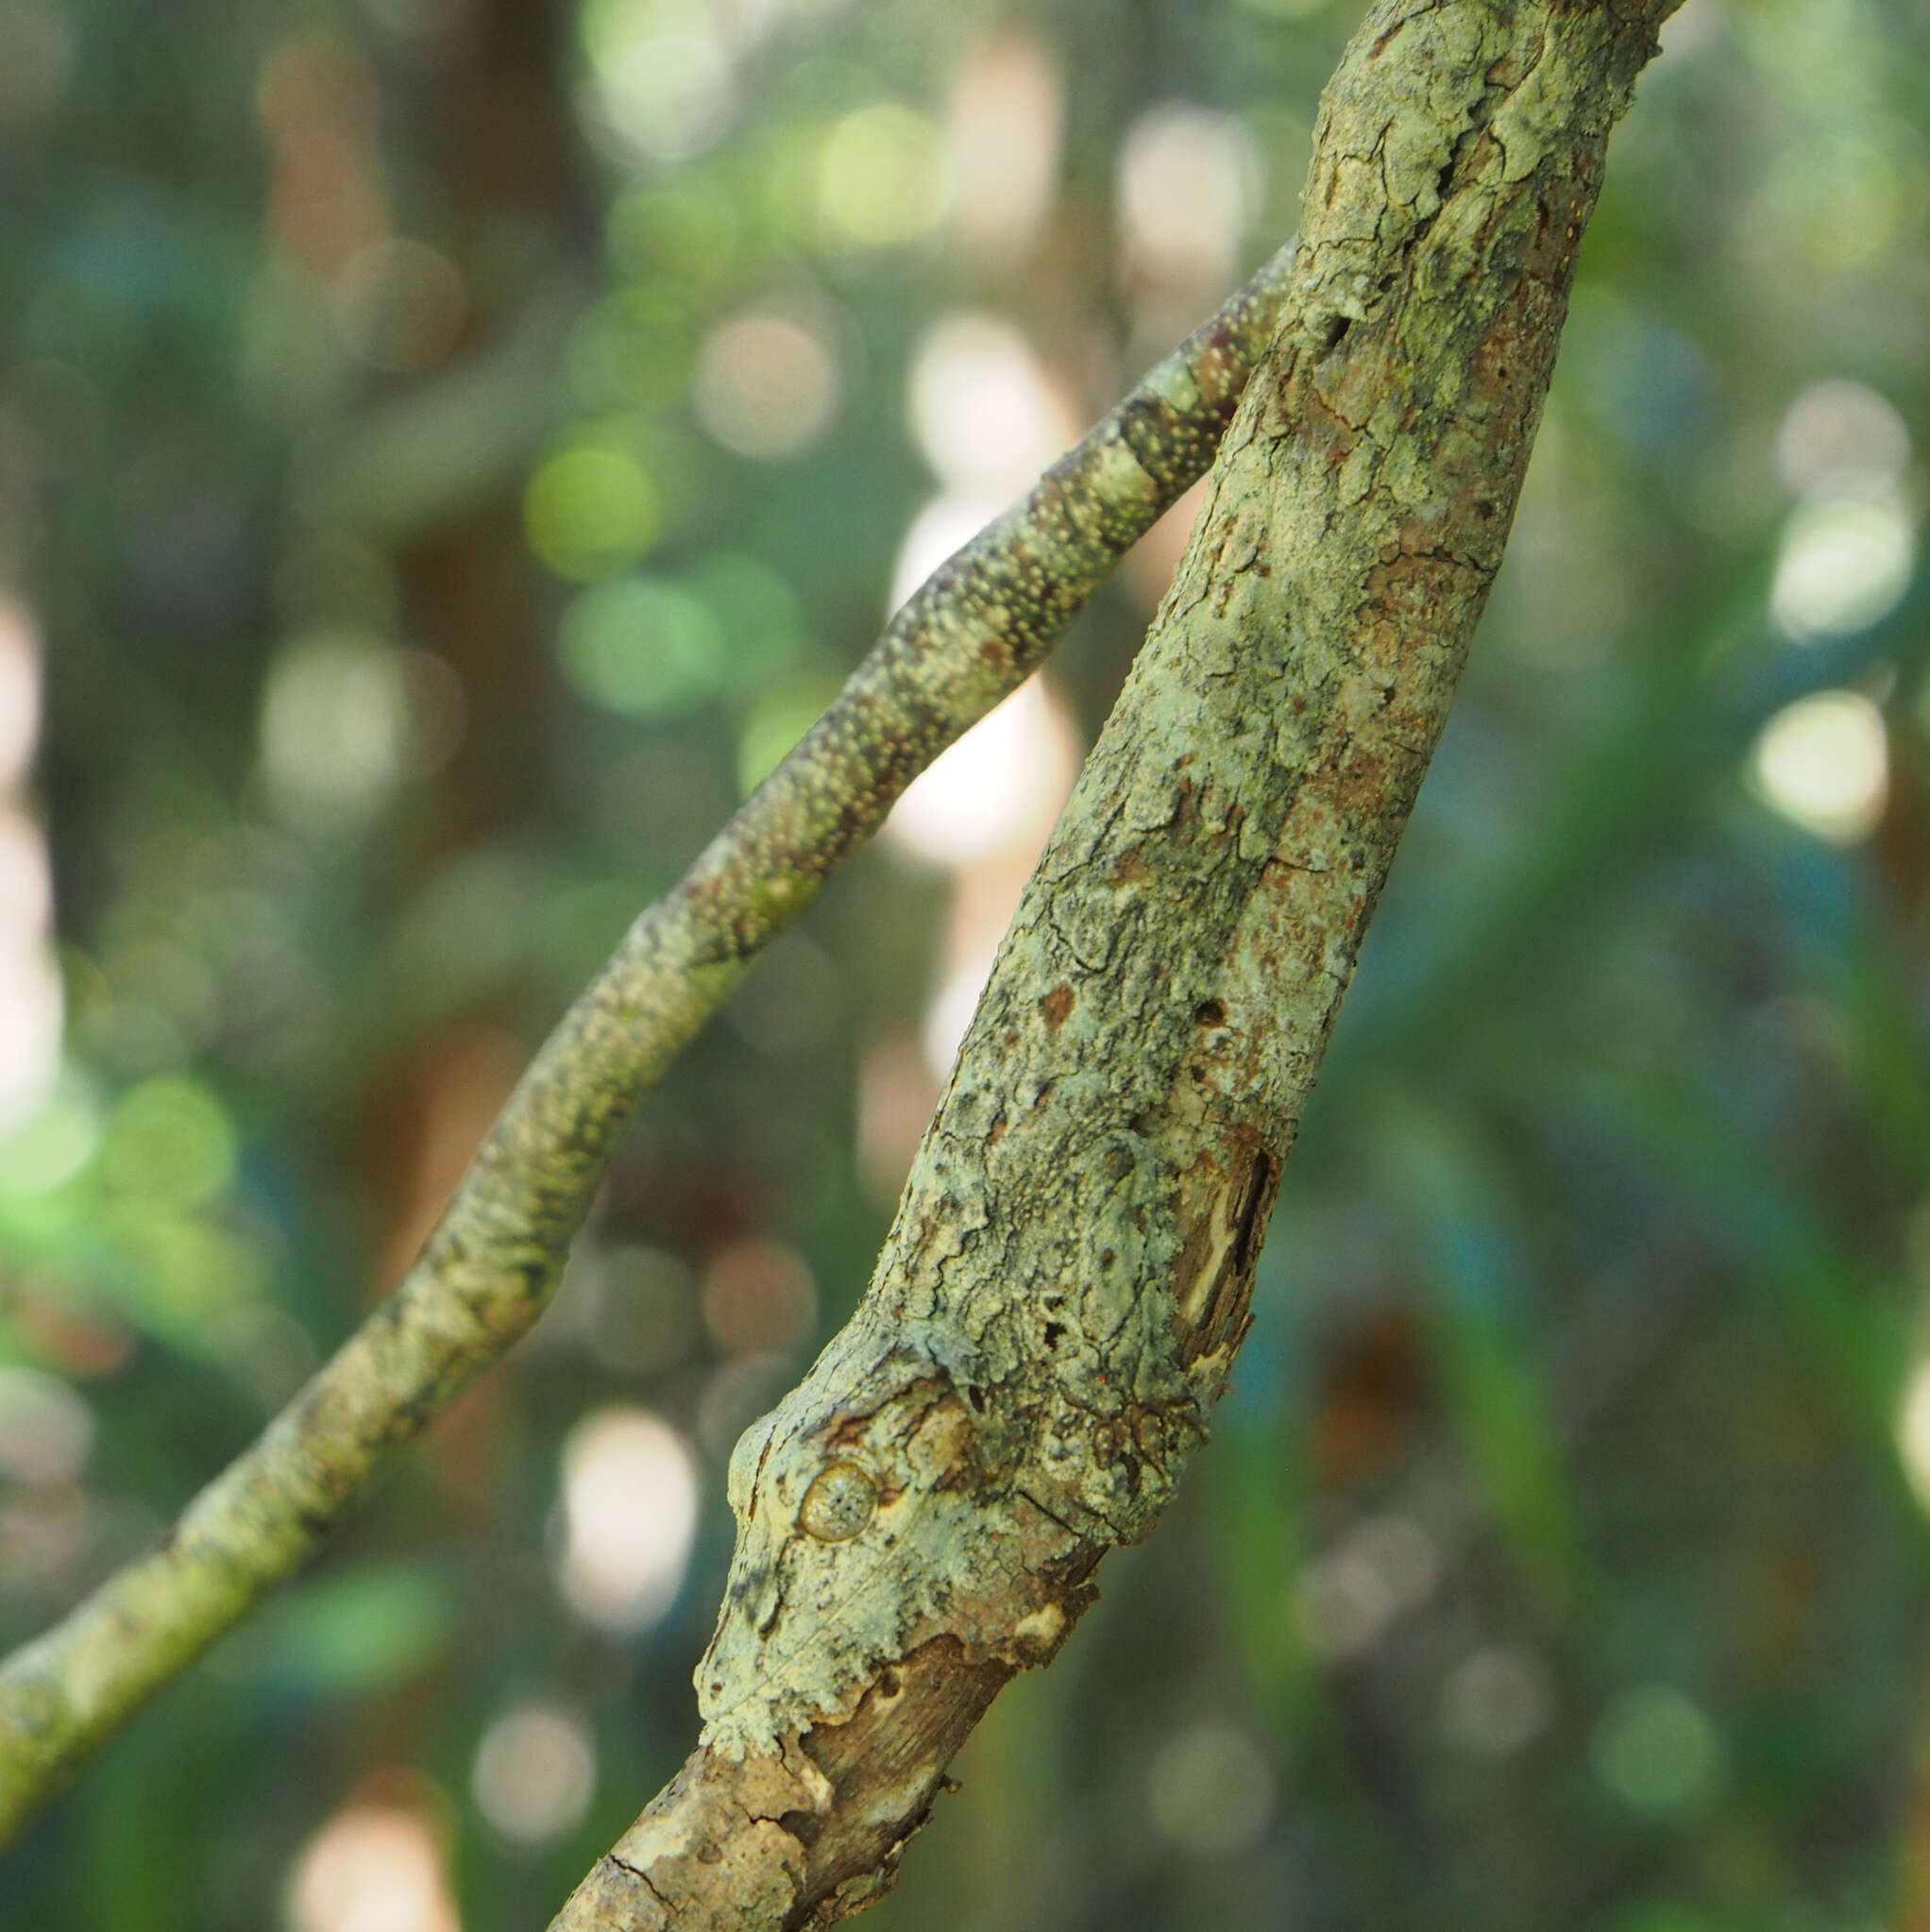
[(641, 1876)]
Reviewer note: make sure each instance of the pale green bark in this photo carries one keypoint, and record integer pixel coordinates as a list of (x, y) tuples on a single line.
[(1056, 1307), (984, 620)]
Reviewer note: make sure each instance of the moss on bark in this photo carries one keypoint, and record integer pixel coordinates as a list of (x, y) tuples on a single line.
[(1059, 1302)]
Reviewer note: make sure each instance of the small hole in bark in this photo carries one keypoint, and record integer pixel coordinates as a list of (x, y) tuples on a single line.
[(802, 1825), (1053, 1331), (1209, 1013), (975, 1396), (889, 1684)]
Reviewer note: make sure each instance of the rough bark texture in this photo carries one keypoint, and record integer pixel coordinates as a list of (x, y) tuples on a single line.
[(1059, 1300), (972, 634)]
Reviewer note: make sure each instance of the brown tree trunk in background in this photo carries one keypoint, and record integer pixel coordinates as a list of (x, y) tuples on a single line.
[(500, 142)]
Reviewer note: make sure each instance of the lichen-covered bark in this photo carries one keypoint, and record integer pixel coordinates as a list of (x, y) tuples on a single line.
[(1058, 1302), (972, 634)]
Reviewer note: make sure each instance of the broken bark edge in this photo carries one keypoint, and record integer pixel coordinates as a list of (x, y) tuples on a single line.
[(814, 1833)]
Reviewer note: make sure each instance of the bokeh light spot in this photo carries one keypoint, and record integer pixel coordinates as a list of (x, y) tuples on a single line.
[(1913, 1430), (943, 527), (1843, 566), (982, 411), (53, 1144), (1823, 763), (46, 1428), (766, 385), (20, 693), (1005, 777), (882, 180), (32, 1004), (372, 1868), (759, 1298), (170, 1140), (629, 1517), (399, 305), (1346, 1600), (631, 350), (949, 1011), (535, 1773), (1841, 440), (1656, 1751), (1004, 123), (1496, 1700), (1189, 183), (642, 646), (760, 612), (334, 732), (187, 1269), (591, 512), (662, 76), (1210, 1790), (1828, 204)]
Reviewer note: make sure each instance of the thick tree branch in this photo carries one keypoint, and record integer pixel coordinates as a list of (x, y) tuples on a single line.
[(972, 634), (1059, 1300)]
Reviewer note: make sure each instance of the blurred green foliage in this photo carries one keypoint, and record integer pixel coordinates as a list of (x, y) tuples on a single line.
[(449, 449)]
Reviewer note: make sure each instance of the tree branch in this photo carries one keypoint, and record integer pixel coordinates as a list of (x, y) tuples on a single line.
[(1059, 1300), (982, 623)]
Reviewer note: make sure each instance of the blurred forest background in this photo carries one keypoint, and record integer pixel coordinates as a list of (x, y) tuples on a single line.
[(449, 448)]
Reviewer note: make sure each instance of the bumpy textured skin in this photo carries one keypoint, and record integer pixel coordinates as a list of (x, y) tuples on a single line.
[(986, 618), (1059, 1299)]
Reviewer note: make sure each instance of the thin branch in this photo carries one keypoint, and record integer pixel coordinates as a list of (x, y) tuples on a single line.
[(983, 621), (1059, 1302)]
